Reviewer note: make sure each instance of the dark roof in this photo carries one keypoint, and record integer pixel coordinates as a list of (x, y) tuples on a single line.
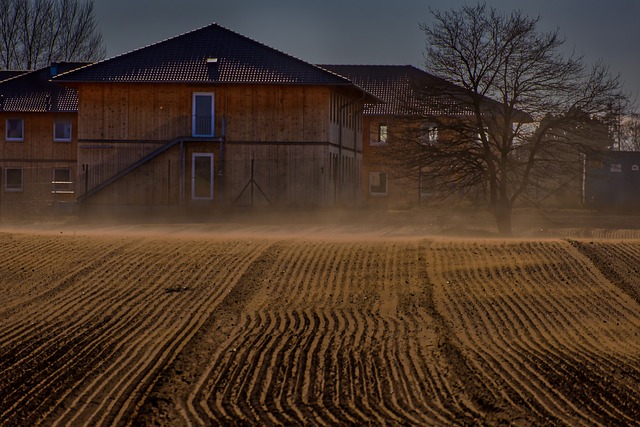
[(212, 54), (9, 74), (401, 87), (34, 92)]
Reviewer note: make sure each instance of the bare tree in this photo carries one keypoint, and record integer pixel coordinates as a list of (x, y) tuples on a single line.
[(630, 132), (10, 17), (522, 106), (35, 33)]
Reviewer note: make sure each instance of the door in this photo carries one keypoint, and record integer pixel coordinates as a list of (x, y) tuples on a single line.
[(202, 119), (202, 176)]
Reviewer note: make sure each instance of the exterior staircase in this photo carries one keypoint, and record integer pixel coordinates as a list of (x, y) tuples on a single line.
[(130, 167)]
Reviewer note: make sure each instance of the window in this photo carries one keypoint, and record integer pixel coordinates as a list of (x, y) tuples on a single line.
[(595, 164), (429, 134), (62, 131), (377, 183), (427, 185), (486, 135), (61, 183), (13, 179), (432, 134), (382, 134), (379, 134), (15, 130)]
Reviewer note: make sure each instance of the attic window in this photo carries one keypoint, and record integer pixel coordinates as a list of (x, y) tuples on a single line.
[(212, 60)]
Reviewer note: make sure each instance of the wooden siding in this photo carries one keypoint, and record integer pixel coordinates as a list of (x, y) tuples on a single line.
[(37, 155), (291, 133), (128, 112), (283, 175), (38, 141), (154, 184)]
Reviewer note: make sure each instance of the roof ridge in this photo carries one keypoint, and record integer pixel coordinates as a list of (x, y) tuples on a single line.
[(134, 50), (371, 65), (213, 26), (275, 49), (21, 73)]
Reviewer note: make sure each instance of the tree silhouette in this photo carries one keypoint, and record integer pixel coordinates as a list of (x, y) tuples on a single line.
[(35, 33), (514, 114)]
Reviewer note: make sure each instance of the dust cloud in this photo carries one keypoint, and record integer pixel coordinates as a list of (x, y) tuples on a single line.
[(332, 224)]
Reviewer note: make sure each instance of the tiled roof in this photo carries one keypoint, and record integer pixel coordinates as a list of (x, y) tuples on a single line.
[(33, 91), (212, 54), (402, 88)]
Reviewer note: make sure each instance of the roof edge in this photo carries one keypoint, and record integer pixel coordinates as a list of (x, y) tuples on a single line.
[(67, 76)]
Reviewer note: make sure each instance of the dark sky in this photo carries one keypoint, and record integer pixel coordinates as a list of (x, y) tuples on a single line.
[(371, 31)]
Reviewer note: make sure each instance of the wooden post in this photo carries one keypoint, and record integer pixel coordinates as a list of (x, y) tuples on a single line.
[(182, 177), (85, 167), (252, 181)]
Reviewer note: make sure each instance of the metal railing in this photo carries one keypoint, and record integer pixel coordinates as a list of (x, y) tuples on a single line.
[(93, 174), (202, 125)]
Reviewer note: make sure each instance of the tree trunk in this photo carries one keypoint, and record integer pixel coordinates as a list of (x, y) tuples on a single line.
[(502, 211)]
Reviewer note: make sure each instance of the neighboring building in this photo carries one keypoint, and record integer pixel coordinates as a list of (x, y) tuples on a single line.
[(38, 155), (419, 106), (399, 88), (612, 180), (558, 181), (211, 117)]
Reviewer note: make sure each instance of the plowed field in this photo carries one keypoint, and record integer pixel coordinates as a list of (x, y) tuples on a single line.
[(207, 326)]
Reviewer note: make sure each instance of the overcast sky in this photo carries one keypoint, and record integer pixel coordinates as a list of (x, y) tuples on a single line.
[(369, 31)]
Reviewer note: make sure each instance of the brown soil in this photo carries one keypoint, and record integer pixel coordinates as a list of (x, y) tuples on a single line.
[(318, 323)]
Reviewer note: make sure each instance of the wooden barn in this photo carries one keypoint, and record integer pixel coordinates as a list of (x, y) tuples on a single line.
[(38, 156), (212, 118)]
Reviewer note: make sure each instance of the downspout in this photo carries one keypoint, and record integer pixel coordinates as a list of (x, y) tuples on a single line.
[(223, 140), (222, 156), (584, 180), (356, 174), (340, 114)]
